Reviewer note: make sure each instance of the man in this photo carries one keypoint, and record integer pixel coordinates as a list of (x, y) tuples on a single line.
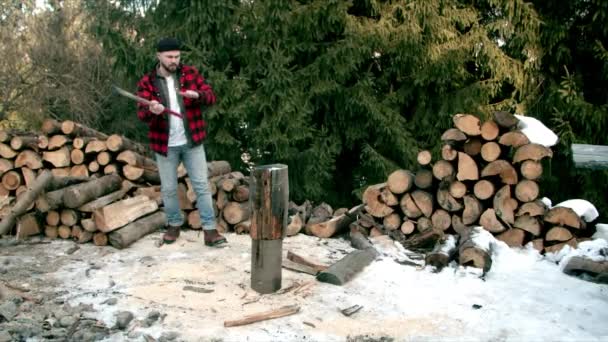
[(176, 133)]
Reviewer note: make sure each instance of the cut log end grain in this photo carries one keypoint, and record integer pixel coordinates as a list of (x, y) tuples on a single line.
[(534, 152), (372, 199), (505, 119), (472, 146), (424, 201), (475, 257), (502, 168), (457, 189), (489, 130), (483, 189), (59, 158), (512, 237), (467, 168), (531, 169), (443, 169), (424, 157), (558, 233), (447, 201), (536, 208), (529, 223), (388, 197), (409, 207), (527, 190), (408, 227), (467, 123), (392, 221), (448, 152), (30, 159), (558, 247), (490, 151), (441, 219), (513, 139), (504, 206), (490, 222), (453, 134), (423, 179), (400, 181), (11, 180), (472, 210), (562, 216)]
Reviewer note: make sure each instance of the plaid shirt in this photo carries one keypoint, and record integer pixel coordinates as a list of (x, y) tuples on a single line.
[(189, 79)]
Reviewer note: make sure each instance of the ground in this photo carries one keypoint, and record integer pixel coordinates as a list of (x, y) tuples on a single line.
[(57, 290)]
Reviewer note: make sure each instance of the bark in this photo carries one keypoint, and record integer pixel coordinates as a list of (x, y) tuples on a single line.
[(505, 119), (443, 252), (79, 194), (134, 231), (346, 268), (474, 251)]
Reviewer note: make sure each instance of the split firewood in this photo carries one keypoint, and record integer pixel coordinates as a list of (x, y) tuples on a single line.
[(489, 130), (483, 189), (443, 252), (121, 213), (127, 235), (334, 225), (513, 237), (472, 210), (531, 169), (315, 265), (424, 201), (472, 146), (263, 316), (152, 192), (84, 236), (504, 206), (58, 141), (346, 268), (448, 152), (116, 143), (468, 124), (453, 134), (75, 129), (558, 247), (30, 159), (423, 179), (457, 224), (502, 168), (534, 152), (7, 152), (221, 199), (526, 190), (490, 222), (88, 225), (528, 223), (562, 216), (424, 157), (6, 165), (474, 251), (513, 139), (447, 201), (467, 168), (109, 198), (28, 225), (505, 119), (59, 158), (535, 208), (388, 197), (372, 199), (558, 233), (400, 181), (443, 169), (109, 169), (24, 202)]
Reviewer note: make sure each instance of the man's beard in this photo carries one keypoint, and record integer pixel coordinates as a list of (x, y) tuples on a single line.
[(170, 67)]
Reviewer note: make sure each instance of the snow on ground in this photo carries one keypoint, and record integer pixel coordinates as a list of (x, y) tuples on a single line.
[(524, 297)]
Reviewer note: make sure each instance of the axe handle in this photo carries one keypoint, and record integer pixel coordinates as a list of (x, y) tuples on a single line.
[(146, 102)]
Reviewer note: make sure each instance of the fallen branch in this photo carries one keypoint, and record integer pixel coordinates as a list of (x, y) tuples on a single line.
[(263, 316)]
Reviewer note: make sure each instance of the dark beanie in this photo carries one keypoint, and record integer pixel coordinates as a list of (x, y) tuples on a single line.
[(168, 44)]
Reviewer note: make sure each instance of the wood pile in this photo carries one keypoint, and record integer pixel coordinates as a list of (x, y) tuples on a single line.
[(100, 188), (487, 176)]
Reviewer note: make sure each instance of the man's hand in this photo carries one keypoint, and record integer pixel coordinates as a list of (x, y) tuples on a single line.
[(156, 107), (191, 94)]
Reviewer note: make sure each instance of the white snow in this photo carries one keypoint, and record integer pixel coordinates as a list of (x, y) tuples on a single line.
[(582, 208), (524, 296), (601, 231), (536, 131)]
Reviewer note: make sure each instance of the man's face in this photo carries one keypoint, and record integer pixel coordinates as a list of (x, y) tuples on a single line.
[(169, 60)]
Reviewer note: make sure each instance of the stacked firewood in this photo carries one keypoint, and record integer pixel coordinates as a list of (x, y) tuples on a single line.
[(101, 188), (487, 177)]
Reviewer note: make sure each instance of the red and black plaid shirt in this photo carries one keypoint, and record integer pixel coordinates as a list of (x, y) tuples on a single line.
[(189, 79)]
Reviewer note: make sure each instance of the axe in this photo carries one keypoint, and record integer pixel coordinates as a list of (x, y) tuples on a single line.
[(142, 100)]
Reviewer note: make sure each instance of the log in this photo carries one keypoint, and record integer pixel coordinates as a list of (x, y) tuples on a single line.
[(58, 141), (505, 119), (424, 157), (182, 197), (25, 202), (84, 236), (81, 142), (490, 151), (407, 227), (74, 129), (440, 219), (373, 203), (59, 158), (489, 130), (513, 237), (69, 217), (558, 234), (536, 208), (513, 139), (29, 176), (240, 193), (100, 239), (468, 124), (562, 216), (109, 198), (447, 201), (538, 244), (51, 232), (483, 189), (534, 152), (28, 225), (467, 168), (51, 126), (235, 212), (134, 231), (502, 168), (263, 316), (117, 143), (346, 268), (457, 189), (388, 197), (121, 213), (6, 165), (448, 152), (64, 232), (76, 195), (43, 142), (472, 210), (474, 250), (21, 142), (243, 227), (79, 171), (528, 223), (400, 181), (53, 218), (531, 169), (89, 225), (423, 179), (104, 158), (62, 182), (93, 166), (218, 168), (336, 224), (7, 152), (392, 221), (472, 146), (194, 220), (424, 201), (295, 225), (453, 135), (526, 190), (135, 173), (489, 222), (315, 265), (409, 207), (424, 223), (135, 159), (503, 205), (443, 252), (580, 264), (443, 169), (424, 240), (30, 159), (558, 247), (11, 180)]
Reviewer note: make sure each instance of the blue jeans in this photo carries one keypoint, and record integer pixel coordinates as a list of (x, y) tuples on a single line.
[(196, 164)]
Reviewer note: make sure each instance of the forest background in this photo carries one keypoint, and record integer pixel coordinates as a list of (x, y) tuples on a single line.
[(343, 92)]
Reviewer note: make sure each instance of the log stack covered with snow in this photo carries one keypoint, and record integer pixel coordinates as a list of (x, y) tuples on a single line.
[(102, 188), (487, 176)]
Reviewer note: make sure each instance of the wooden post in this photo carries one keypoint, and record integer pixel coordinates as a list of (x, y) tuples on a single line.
[(269, 197)]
